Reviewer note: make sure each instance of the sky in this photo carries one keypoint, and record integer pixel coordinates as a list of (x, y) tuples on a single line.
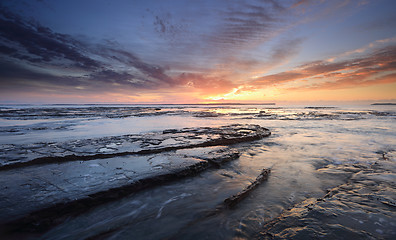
[(190, 51)]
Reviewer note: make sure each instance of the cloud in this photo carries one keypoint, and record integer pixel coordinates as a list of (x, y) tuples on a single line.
[(222, 47), (42, 57), (284, 50), (166, 27), (300, 2), (16, 77), (356, 81), (376, 68), (248, 23), (154, 71), (19, 78), (214, 84), (36, 43), (363, 49), (36, 56)]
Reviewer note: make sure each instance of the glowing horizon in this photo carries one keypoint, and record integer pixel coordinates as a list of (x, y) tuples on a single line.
[(197, 52)]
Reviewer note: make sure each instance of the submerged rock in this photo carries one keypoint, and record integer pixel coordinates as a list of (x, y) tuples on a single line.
[(82, 112), (207, 114)]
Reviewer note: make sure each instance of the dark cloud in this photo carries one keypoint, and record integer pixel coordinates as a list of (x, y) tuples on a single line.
[(160, 25), (112, 76), (153, 71), (121, 79), (166, 27), (40, 43), (20, 78), (7, 50), (39, 51)]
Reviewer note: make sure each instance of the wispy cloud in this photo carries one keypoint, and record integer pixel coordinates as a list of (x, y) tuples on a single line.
[(375, 68), (363, 49), (248, 23)]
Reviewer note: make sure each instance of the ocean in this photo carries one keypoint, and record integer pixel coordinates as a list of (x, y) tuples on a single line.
[(164, 171)]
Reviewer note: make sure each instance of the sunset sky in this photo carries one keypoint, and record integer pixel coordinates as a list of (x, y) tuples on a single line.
[(190, 51)]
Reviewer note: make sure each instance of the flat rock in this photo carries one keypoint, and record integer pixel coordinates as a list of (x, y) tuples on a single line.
[(15, 155), (24, 190), (155, 158)]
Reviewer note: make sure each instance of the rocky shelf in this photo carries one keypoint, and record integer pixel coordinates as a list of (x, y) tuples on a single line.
[(14, 155), (65, 179), (361, 208)]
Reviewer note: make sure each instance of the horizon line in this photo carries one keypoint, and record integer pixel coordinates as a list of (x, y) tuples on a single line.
[(60, 104)]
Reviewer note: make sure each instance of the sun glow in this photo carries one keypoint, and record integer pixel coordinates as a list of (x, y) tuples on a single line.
[(236, 93), (247, 93)]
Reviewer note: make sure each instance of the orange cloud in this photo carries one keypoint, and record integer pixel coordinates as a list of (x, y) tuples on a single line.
[(376, 68), (208, 84)]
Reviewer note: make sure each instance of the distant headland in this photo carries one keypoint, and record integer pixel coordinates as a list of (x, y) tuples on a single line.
[(384, 104)]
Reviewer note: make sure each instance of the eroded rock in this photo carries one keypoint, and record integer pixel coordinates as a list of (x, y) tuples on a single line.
[(14, 155)]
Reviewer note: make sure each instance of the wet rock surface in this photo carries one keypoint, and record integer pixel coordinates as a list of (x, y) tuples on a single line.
[(235, 199), (119, 112), (362, 208), (47, 190), (50, 112), (15, 155)]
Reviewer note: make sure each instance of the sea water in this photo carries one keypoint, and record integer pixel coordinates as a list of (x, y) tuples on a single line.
[(311, 151)]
